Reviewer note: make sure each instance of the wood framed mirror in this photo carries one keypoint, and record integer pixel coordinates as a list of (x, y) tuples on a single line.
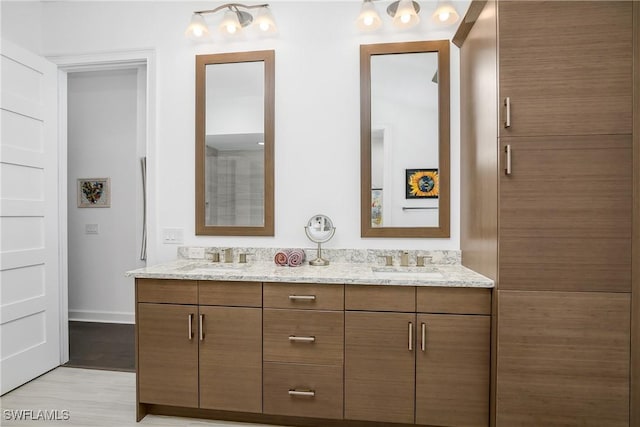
[(405, 131), (235, 144)]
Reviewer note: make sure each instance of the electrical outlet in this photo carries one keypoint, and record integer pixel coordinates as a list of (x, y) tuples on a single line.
[(196, 253), (172, 236)]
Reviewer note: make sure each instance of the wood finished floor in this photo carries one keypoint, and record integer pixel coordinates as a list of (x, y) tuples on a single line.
[(108, 346), (93, 398)]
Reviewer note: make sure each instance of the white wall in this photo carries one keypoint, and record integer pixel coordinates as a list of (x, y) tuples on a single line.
[(102, 142), (317, 108)]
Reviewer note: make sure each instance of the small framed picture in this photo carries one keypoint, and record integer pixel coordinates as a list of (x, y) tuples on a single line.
[(422, 184), (94, 193)]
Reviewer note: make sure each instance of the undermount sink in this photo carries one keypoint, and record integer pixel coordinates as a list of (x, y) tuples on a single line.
[(406, 272)]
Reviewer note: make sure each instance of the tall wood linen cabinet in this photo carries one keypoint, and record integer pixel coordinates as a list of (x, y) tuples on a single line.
[(549, 148)]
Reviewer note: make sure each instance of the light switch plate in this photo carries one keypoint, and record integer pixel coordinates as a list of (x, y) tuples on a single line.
[(91, 229), (196, 253), (172, 236)]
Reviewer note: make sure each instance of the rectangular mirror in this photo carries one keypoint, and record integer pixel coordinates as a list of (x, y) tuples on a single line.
[(234, 144), (404, 90)]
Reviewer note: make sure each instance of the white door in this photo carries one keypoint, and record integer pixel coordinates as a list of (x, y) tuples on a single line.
[(29, 253)]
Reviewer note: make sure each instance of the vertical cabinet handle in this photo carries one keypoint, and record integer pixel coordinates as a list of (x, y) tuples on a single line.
[(410, 336), (507, 166), (201, 327), (507, 105), (423, 339), (190, 327)]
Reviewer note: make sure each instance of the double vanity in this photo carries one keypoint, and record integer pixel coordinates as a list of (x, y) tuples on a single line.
[(351, 343)]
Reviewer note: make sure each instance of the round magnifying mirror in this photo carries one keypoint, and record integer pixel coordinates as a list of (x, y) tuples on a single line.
[(319, 229)]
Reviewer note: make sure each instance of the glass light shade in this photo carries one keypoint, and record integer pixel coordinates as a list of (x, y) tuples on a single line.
[(445, 13), (197, 28), (265, 22), (369, 19), (230, 23), (406, 15)]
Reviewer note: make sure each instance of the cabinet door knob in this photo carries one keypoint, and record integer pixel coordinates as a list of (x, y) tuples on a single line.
[(305, 393), (423, 340), (201, 327), (190, 327), (294, 338)]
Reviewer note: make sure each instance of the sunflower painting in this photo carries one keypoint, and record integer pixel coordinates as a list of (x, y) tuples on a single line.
[(422, 184)]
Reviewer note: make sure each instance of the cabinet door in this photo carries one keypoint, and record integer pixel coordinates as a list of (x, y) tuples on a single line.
[(231, 359), (167, 354), (563, 359), (452, 370), (379, 367), (566, 67), (565, 214)]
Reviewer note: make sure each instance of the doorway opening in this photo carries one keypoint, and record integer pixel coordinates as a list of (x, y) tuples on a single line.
[(105, 118)]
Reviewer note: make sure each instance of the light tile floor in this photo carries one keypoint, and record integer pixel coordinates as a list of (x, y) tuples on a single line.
[(92, 398)]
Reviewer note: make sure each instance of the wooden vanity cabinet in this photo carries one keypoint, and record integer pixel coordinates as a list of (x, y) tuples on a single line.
[(303, 350), (428, 368), (167, 356), (199, 344)]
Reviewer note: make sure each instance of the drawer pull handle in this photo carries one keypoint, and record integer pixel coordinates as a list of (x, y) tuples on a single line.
[(201, 326), (410, 336), (190, 336), (294, 338), (302, 297), (305, 393), (423, 344), (507, 104)]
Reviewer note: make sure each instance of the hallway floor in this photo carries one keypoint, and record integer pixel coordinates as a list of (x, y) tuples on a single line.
[(109, 346), (92, 398)]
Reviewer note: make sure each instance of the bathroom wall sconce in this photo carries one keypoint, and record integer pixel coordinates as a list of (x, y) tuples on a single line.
[(236, 17), (404, 14)]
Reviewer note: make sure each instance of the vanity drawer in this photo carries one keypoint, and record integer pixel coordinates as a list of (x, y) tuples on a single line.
[(303, 390), (304, 296), (167, 291), (380, 298), (233, 294), (454, 300), (303, 336)]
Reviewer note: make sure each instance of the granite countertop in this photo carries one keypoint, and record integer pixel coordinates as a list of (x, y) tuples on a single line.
[(339, 273)]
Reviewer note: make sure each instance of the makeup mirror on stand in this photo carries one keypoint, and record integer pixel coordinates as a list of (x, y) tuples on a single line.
[(319, 230)]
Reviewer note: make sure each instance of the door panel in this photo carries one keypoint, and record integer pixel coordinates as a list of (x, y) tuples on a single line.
[(29, 260), (379, 367), (231, 359), (452, 372), (565, 214), (167, 356), (566, 73), (563, 359)]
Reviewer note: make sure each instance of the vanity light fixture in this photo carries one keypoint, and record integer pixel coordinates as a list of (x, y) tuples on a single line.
[(404, 13), (369, 19), (445, 13), (236, 17)]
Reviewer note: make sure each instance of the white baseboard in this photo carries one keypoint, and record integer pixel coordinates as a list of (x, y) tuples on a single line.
[(101, 316)]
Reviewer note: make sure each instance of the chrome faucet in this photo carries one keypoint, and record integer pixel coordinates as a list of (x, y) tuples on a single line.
[(228, 255), (404, 259)]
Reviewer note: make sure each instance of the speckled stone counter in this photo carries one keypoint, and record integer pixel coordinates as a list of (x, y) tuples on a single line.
[(454, 275)]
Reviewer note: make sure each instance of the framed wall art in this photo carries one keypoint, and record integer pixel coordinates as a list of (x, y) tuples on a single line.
[(94, 193), (422, 184)]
